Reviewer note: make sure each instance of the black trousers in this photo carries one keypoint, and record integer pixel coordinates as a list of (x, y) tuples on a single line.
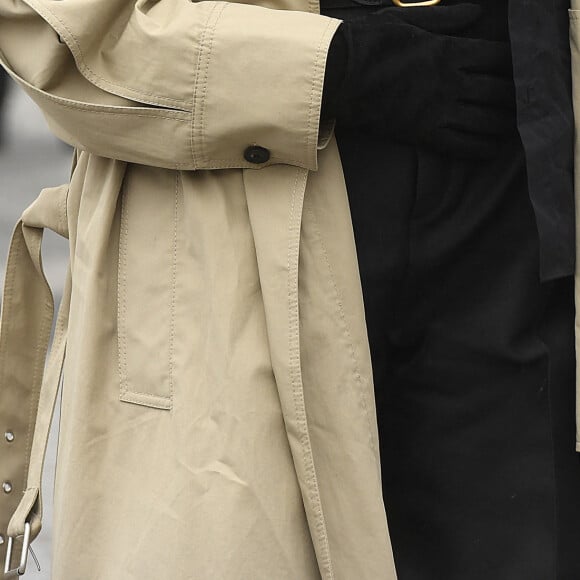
[(473, 360)]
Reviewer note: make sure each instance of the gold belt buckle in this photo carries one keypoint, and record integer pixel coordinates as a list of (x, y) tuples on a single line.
[(411, 4)]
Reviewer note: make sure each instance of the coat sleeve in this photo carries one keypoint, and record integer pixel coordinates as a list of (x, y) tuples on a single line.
[(172, 83)]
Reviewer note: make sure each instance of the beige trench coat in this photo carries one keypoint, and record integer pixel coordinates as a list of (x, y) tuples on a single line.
[(218, 420), (218, 416)]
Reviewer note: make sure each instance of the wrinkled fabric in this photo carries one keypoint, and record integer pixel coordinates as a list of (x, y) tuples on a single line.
[(218, 416), (249, 448), (473, 357)]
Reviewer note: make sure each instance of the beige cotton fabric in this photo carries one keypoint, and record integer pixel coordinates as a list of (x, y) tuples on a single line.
[(218, 419)]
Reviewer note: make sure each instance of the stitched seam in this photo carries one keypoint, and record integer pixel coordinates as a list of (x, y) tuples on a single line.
[(194, 69), (178, 115), (205, 85), (99, 111), (202, 104), (7, 306), (34, 383), (316, 83), (127, 389), (59, 342), (37, 373), (7, 321), (295, 375), (345, 328), (173, 291), (83, 66), (182, 116), (142, 395), (283, 160), (122, 293), (233, 163), (102, 111), (130, 392), (195, 89)]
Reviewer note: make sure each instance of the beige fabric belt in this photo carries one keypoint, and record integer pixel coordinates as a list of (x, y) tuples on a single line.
[(27, 389)]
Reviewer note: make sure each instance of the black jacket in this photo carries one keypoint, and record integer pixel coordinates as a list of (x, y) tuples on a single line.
[(541, 59)]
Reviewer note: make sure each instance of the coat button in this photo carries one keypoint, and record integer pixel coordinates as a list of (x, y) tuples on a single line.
[(256, 154)]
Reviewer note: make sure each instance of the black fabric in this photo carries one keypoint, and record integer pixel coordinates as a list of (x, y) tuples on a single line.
[(541, 60), (409, 79), (473, 359), (541, 57)]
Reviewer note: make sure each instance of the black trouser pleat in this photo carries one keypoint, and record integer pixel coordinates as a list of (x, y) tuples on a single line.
[(473, 360)]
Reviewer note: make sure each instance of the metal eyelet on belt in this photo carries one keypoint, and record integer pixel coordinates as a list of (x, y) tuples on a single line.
[(411, 4)]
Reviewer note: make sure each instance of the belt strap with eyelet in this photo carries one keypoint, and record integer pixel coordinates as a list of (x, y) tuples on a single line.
[(27, 389)]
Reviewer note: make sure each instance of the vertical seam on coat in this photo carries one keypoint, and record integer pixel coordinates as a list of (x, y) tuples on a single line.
[(121, 294), (205, 82), (194, 103), (173, 290), (194, 106), (317, 83), (296, 373), (205, 46), (345, 328)]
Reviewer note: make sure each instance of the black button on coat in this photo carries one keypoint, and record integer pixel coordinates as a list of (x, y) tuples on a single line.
[(256, 154)]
